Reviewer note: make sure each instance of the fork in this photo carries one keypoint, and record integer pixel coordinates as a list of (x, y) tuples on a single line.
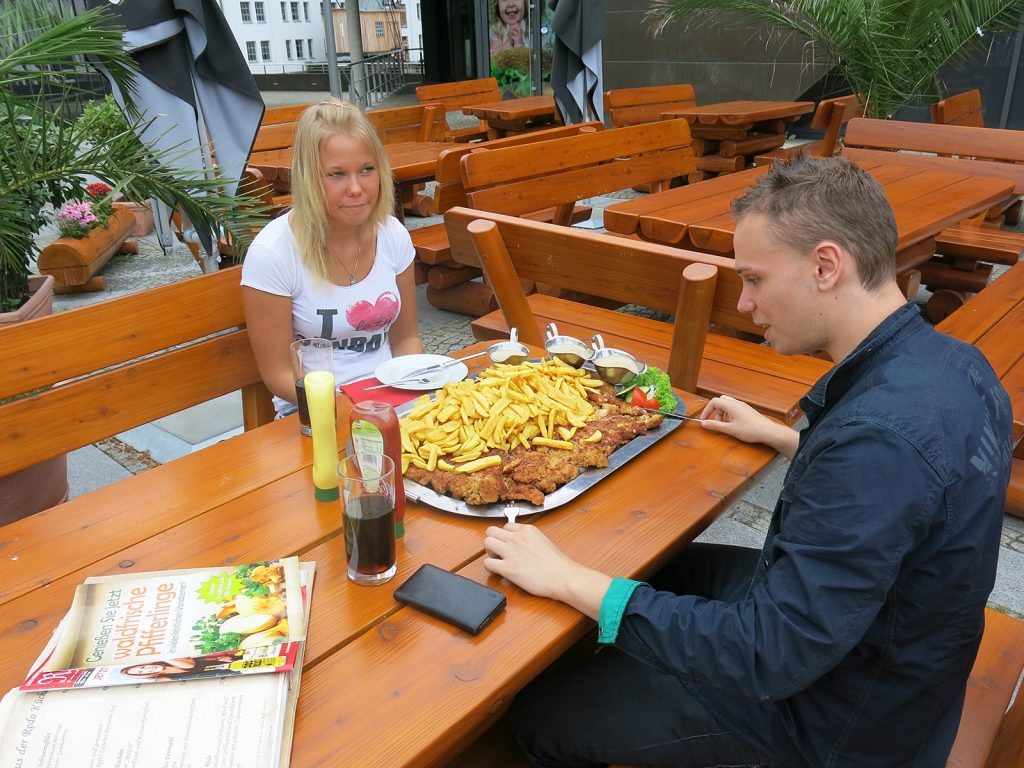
[(511, 512)]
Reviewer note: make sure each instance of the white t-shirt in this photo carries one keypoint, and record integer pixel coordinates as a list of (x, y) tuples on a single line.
[(356, 318)]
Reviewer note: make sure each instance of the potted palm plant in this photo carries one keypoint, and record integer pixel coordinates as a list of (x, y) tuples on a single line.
[(47, 158), (889, 51)]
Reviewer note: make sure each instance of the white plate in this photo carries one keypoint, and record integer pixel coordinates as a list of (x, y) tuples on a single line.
[(398, 368)]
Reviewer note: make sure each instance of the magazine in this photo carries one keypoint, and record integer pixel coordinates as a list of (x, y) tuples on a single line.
[(157, 627), (88, 701)]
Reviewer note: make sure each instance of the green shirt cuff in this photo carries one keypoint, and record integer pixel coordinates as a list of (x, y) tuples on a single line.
[(612, 607)]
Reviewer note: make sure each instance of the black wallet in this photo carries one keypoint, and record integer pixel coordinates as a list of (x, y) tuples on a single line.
[(450, 597)]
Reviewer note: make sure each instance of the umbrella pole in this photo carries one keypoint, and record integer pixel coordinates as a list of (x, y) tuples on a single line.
[(210, 262)]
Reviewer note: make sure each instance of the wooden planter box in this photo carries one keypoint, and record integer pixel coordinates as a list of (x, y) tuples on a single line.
[(74, 261)]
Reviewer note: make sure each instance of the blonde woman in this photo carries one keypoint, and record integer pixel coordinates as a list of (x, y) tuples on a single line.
[(338, 265)]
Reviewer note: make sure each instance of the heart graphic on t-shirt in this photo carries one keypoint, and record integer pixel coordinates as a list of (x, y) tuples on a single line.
[(364, 316)]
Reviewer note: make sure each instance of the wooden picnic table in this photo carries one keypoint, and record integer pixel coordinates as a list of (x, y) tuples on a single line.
[(729, 134), (382, 684), (512, 116), (412, 163), (697, 216)]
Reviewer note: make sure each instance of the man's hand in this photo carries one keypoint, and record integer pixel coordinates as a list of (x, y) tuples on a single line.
[(526, 557), (737, 419)]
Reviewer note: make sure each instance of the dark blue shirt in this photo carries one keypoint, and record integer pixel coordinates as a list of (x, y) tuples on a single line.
[(856, 638)]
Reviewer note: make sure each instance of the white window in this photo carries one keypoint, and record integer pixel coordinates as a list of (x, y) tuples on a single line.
[(378, 27), (305, 10), (246, 14), (261, 14), (288, 49), (295, 11), (265, 49), (417, 9), (309, 48), (250, 50), (298, 50), (284, 11)]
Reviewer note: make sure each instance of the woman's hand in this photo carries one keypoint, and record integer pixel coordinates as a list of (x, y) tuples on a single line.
[(526, 557), (737, 419)]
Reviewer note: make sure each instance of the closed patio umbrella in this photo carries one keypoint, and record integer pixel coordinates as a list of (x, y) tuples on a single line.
[(579, 27), (194, 86)]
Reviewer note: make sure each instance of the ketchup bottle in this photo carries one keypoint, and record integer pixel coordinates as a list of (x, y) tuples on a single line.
[(374, 429)]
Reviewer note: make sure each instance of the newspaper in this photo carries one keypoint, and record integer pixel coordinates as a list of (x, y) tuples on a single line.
[(82, 705)]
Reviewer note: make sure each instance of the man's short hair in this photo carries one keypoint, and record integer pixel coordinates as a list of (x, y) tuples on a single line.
[(808, 200)]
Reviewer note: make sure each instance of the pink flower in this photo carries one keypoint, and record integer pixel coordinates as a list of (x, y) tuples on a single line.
[(76, 219)]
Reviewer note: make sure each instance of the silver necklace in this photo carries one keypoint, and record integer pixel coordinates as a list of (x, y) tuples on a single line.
[(352, 272)]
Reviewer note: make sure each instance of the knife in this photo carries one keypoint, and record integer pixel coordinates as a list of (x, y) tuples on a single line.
[(679, 416)]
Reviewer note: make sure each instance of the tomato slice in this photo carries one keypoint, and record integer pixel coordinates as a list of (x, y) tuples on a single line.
[(641, 399)]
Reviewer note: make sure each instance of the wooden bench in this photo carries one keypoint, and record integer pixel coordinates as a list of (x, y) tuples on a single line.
[(991, 320), (830, 116), (960, 149), (636, 106), (455, 96), (960, 109), (448, 283), (522, 179), (519, 179), (630, 271), (288, 114), (419, 122), (92, 372), (525, 178)]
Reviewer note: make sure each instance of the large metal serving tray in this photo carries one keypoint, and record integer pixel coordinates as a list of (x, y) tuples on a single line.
[(560, 496)]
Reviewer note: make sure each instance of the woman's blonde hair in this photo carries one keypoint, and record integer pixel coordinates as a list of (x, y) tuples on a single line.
[(308, 216)]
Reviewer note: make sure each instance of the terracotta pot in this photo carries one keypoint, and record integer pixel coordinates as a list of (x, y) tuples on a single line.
[(74, 260), (44, 485), (143, 214)]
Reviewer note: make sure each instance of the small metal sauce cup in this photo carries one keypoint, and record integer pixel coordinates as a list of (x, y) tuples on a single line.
[(568, 349), (615, 366), (508, 352)]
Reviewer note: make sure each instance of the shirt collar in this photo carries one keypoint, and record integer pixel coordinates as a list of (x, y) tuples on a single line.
[(834, 383)]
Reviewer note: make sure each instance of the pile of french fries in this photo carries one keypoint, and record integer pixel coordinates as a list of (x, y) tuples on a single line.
[(532, 404)]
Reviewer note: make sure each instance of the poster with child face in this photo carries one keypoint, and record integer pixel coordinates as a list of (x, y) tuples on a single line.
[(508, 24)]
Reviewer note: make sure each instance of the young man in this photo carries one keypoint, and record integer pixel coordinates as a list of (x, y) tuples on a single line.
[(848, 640)]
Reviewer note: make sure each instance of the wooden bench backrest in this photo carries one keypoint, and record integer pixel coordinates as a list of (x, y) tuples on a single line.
[(277, 136), (698, 289), (419, 122), (455, 96), (278, 115), (970, 147), (631, 106), (450, 190), (830, 117), (960, 109), (603, 265), (87, 360), (521, 179)]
